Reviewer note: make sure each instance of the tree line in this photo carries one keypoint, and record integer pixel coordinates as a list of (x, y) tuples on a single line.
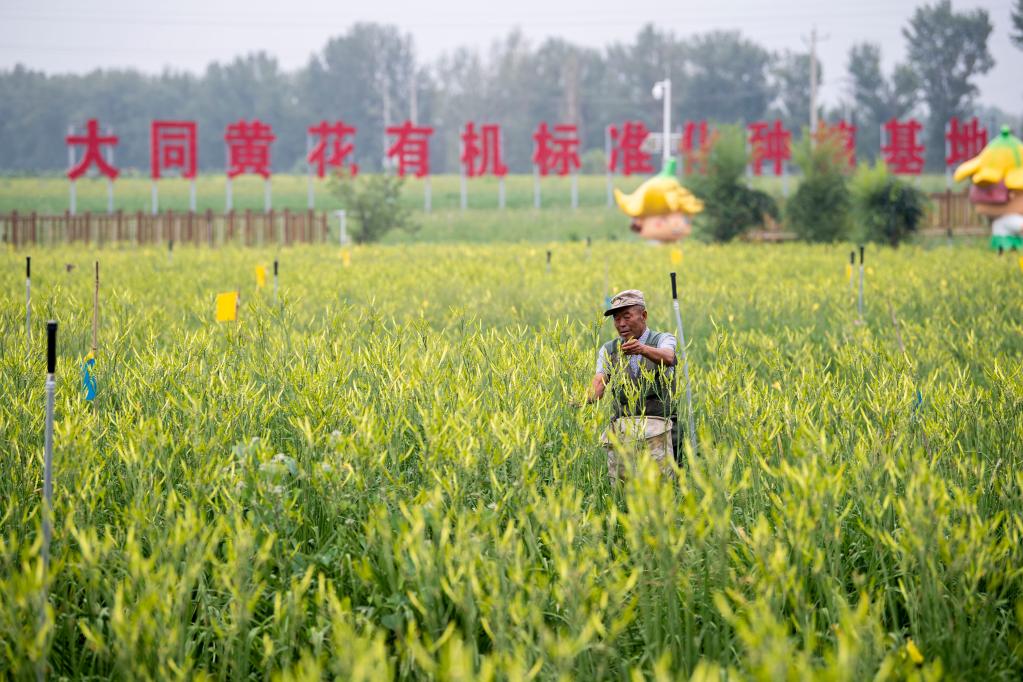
[(370, 77)]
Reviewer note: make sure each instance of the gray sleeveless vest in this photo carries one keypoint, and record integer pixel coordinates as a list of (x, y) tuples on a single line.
[(647, 394)]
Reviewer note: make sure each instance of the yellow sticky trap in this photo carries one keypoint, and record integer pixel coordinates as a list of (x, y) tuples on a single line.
[(1021, 263), (914, 652), (346, 258), (848, 271), (227, 306), (260, 276), (676, 256)]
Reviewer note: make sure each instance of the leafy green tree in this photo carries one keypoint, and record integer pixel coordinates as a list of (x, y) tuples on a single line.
[(730, 206), (887, 210), (374, 204), (877, 99), (728, 78), (1017, 24), (819, 211), (947, 50)]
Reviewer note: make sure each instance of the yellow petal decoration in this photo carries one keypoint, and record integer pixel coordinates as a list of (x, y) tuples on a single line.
[(1000, 161), (659, 195), (227, 306)]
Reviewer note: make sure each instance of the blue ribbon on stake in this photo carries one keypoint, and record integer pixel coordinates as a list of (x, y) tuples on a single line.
[(88, 380)]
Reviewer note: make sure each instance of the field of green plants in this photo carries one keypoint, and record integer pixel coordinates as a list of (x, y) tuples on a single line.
[(383, 474)]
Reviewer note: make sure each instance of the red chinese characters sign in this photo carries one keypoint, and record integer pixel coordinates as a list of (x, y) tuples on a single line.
[(903, 153), (557, 151), (481, 152), (248, 148), (627, 155), (411, 149), (694, 145), (771, 144), (331, 147), (92, 141), (172, 144), (963, 140)]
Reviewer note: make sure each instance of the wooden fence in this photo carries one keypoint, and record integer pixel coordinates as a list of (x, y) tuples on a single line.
[(949, 214), (211, 229)]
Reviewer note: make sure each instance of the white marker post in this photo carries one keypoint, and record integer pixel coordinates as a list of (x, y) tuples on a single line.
[(51, 386), (536, 188), (342, 231), (607, 157), (28, 298), (110, 183), (685, 363), (72, 194)]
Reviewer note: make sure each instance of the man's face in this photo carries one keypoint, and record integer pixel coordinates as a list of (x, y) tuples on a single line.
[(630, 321)]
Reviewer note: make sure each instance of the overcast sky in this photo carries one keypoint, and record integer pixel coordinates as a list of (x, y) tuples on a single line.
[(60, 36)]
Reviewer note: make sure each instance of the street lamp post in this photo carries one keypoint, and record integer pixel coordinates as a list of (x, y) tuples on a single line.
[(662, 91)]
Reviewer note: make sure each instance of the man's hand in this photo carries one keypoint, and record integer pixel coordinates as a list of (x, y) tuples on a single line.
[(634, 347)]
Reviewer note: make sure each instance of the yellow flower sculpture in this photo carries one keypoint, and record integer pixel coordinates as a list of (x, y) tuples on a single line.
[(660, 208), (997, 189)]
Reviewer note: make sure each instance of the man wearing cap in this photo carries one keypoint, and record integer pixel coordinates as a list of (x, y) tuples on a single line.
[(638, 364)]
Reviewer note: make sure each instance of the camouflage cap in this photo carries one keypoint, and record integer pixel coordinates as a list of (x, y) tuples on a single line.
[(624, 299)]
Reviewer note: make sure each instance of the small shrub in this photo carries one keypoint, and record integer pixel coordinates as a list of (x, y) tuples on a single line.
[(887, 209), (730, 206), (374, 204), (820, 209)]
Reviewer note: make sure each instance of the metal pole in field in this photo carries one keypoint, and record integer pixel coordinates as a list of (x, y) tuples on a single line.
[(154, 199), (275, 281), (849, 268), (267, 200), (191, 195), (548, 261), (859, 304), (685, 363), (51, 385), (28, 298)]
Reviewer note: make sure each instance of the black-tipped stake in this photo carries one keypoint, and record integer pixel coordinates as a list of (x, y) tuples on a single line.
[(170, 249), (275, 281), (852, 265), (51, 385), (685, 363), (548, 261), (859, 304), (28, 298)]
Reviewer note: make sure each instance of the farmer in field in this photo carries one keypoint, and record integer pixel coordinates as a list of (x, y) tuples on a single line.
[(637, 367)]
